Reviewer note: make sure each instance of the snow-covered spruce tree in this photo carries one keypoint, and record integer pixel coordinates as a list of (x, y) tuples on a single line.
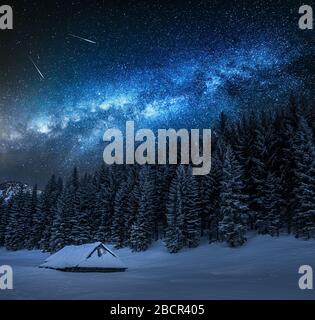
[(81, 227), (2, 221), (63, 230), (47, 201), (7, 208), (16, 227), (142, 229), (25, 219), (232, 227), (73, 213), (175, 233), (36, 226), (164, 175), (28, 218), (132, 207), (63, 213), (309, 112), (285, 158), (58, 228), (183, 212), (271, 201), (263, 157), (281, 166), (223, 134), (93, 191), (192, 210), (105, 204), (303, 150), (211, 198), (118, 233), (244, 137), (206, 187), (126, 205)]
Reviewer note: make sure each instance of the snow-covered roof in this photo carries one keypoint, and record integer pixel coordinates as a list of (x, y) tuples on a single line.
[(91, 255)]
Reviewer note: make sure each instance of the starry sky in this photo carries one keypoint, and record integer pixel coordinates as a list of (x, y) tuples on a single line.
[(160, 63)]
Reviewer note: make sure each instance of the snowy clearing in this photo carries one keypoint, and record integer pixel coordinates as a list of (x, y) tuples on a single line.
[(264, 268)]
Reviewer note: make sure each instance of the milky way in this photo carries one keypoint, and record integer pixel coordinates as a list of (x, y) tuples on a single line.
[(162, 65)]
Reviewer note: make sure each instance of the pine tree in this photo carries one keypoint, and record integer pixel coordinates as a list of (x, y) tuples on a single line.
[(164, 177), (35, 220), (211, 198), (272, 204), (262, 165), (95, 219), (27, 214), (303, 150), (244, 151), (65, 213), (285, 158), (183, 212), (82, 209), (58, 236), (132, 207), (118, 220), (2, 221), (233, 208), (15, 231), (192, 211), (126, 206), (47, 203), (175, 234), (105, 204), (73, 210), (143, 227), (62, 213)]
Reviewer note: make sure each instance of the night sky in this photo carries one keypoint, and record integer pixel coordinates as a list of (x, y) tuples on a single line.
[(160, 63)]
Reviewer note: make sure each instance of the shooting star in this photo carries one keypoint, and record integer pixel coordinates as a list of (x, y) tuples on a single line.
[(34, 64), (84, 39)]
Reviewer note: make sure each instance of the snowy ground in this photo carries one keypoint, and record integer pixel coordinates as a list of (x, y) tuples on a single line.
[(265, 268)]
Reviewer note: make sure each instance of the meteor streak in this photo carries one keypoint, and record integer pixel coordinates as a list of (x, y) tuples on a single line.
[(84, 39), (34, 64)]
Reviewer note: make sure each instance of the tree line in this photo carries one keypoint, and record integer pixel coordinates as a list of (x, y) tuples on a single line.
[(262, 178)]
